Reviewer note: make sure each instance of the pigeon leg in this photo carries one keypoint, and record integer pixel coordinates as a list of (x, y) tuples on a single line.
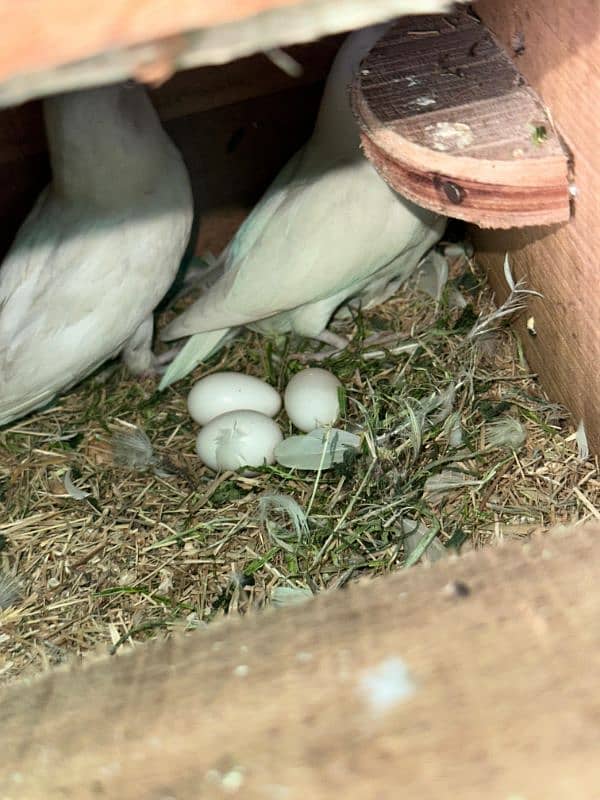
[(164, 359), (336, 345), (378, 295), (333, 339), (137, 354)]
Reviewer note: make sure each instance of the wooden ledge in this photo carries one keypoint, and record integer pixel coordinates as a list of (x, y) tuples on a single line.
[(450, 123), (50, 46)]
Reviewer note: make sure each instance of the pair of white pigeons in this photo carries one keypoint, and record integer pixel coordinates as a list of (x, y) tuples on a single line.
[(105, 240)]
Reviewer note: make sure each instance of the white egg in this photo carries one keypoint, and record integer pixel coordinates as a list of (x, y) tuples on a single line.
[(230, 391), (238, 439), (311, 399)]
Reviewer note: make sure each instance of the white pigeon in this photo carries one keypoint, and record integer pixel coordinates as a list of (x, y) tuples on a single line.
[(329, 229), (98, 251)]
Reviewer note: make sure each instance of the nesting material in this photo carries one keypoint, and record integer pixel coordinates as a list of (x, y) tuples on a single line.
[(148, 551)]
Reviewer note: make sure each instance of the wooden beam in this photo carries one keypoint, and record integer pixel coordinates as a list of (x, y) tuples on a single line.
[(561, 59), (38, 34), (56, 45), (476, 677)]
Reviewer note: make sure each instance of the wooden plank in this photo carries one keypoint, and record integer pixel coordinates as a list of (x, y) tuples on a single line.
[(54, 45), (450, 123), (24, 167), (476, 677), (561, 59), (42, 33)]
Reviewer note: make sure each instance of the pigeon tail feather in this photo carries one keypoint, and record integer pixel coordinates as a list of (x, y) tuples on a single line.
[(196, 350)]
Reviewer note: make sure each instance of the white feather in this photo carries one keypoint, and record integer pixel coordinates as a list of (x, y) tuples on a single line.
[(329, 229), (97, 252)]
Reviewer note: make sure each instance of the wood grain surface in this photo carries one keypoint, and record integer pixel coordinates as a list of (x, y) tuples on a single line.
[(450, 123), (55, 45), (474, 678), (561, 59)]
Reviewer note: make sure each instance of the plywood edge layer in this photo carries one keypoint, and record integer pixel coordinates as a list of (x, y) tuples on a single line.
[(468, 199)]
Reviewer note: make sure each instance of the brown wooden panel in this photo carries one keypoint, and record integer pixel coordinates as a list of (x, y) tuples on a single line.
[(234, 152), (52, 45), (561, 59), (24, 167), (475, 678), (451, 124), (40, 33), (197, 90)]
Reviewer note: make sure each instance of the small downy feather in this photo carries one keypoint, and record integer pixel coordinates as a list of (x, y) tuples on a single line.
[(453, 430), (514, 304), (432, 275), (271, 505), (443, 483), (508, 274), (506, 433), (287, 596), (9, 590), (583, 448), (420, 541), (132, 448), (73, 491), (227, 449)]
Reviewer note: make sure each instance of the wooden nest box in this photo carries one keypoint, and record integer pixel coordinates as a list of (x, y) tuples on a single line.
[(491, 119)]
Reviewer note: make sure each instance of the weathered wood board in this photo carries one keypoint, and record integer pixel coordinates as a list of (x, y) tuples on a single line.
[(475, 678), (55, 45), (450, 123), (559, 46)]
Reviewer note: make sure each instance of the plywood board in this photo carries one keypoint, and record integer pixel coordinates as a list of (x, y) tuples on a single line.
[(475, 678), (559, 53), (55, 45), (450, 123)]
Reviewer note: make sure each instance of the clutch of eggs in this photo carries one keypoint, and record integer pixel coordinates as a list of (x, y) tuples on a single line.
[(236, 411)]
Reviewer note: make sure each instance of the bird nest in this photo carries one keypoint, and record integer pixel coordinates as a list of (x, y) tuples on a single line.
[(112, 531)]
